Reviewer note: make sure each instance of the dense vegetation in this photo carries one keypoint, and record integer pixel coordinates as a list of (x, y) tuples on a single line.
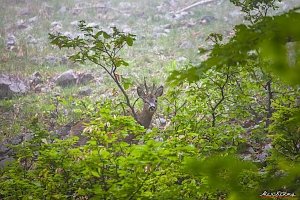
[(233, 123)]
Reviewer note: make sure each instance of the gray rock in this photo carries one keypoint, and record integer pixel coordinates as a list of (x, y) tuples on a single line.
[(69, 35), (56, 26), (67, 78), (207, 19), (64, 60), (125, 5), (267, 147), (186, 45), (11, 42), (52, 60), (162, 121), (85, 92), (33, 19), (21, 24), (10, 86), (250, 150), (36, 60), (93, 25), (236, 14), (6, 161), (25, 11), (75, 23), (56, 23), (85, 78), (262, 157), (181, 59), (35, 79), (63, 9), (3, 149), (179, 16), (16, 140), (31, 40)]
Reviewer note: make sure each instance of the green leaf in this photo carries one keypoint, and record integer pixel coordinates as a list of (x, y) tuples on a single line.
[(129, 40), (95, 173), (127, 82), (106, 35)]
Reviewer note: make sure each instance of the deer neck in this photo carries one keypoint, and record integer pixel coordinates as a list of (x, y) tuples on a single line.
[(145, 117)]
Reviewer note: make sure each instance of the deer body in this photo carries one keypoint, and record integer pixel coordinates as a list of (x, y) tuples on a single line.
[(150, 104), (145, 117)]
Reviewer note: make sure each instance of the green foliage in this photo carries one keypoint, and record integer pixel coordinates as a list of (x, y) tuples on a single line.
[(265, 43), (251, 75), (255, 9), (227, 173), (106, 167), (97, 46), (285, 131)]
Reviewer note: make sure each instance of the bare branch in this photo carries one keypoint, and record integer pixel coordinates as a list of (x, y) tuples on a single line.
[(194, 5)]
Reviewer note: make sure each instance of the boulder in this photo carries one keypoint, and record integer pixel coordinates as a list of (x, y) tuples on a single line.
[(11, 42), (85, 92), (35, 80), (21, 24), (33, 19), (10, 86), (6, 161), (66, 78), (84, 78), (6, 150), (207, 19), (52, 60)]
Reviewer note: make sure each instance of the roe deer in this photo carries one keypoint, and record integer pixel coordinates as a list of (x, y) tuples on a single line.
[(144, 117), (149, 97)]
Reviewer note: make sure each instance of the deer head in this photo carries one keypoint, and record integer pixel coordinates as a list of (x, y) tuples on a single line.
[(149, 97)]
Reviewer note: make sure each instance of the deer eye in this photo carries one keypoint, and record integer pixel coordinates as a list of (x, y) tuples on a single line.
[(155, 100)]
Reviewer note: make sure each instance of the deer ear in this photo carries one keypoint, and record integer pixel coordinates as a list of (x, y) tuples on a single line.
[(140, 92), (159, 91)]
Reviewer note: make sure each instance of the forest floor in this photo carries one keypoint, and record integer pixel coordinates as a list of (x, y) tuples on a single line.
[(168, 36)]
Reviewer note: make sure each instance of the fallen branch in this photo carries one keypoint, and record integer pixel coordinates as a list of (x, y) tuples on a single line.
[(194, 5)]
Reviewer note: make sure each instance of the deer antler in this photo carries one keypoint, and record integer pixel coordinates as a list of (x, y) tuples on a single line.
[(146, 87), (153, 88)]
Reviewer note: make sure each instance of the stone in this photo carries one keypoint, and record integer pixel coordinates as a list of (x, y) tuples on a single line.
[(66, 78), (162, 121), (64, 60), (85, 92), (25, 11), (6, 161), (16, 140), (56, 26), (3, 148), (75, 23), (84, 78), (261, 157), (33, 19), (93, 25), (10, 86), (181, 59), (11, 42), (69, 35), (35, 79), (186, 45), (207, 19), (125, 5), (31, 40), (21, 24), (52, 60), (250, 150), (63, 9)]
